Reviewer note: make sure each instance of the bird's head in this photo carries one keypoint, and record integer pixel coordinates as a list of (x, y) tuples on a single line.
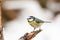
[(31, 18)]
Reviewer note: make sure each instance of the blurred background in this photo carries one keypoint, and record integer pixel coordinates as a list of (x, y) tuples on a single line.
[(14, 14)]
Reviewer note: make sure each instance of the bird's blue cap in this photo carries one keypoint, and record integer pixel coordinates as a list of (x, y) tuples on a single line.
[(32, 17)]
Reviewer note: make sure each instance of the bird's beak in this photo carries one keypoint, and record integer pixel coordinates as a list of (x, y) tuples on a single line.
[(27, 18)]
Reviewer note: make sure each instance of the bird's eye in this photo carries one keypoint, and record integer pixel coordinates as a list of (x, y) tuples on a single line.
[(30, 19)]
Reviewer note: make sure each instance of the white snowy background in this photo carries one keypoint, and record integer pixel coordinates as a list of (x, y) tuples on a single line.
[(14, 29)]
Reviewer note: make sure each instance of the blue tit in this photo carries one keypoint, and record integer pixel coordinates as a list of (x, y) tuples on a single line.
[(35, 22)]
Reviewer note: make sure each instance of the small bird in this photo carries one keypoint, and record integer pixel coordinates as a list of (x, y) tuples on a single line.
[(35, 22)]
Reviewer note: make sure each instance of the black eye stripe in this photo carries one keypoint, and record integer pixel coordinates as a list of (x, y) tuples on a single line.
[(30, 18)]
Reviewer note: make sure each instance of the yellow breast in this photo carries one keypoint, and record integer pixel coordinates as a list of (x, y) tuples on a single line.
[(34, 24)]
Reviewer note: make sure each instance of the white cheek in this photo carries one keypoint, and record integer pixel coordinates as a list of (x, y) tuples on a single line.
[(30, 19)]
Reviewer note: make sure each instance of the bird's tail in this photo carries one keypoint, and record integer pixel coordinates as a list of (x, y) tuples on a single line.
[(47, 22)]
